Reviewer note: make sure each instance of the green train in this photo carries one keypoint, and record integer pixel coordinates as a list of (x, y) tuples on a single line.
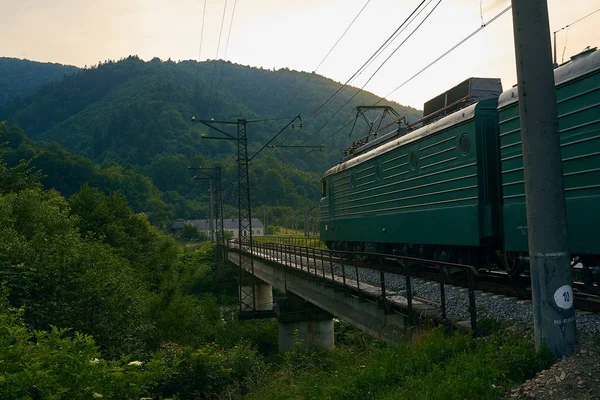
[(453, 189)]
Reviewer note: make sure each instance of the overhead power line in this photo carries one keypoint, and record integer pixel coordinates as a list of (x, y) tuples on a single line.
[(428, 66), (580, 19), (324, 58), (391, 37), (392, 41), (379, 68), (567, 28), (199, 55), (413, 15), (381, 48), (297, 117), (216, 62), (225, 55), (446, 53)]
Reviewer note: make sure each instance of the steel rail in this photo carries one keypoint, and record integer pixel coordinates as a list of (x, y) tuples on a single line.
[(491, 282)]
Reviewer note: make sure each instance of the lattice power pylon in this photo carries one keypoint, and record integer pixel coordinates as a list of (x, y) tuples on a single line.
[(246, 292), (247, 295)]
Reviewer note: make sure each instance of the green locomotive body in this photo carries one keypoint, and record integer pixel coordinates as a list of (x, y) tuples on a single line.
[(453, 189), (436, 186), (578, 104)]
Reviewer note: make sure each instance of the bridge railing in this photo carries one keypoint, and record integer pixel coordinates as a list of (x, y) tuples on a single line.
[(313, 241), (341, 269)]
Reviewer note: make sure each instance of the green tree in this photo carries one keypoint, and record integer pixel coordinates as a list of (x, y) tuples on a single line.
[(190, 232), (69, 282), (151, 253)]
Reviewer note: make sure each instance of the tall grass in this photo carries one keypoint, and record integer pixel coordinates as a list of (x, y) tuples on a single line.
[(437, 367)]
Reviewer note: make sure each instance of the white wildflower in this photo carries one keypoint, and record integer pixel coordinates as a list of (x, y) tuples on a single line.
[(136, 363), (97, 396), (94, 361)]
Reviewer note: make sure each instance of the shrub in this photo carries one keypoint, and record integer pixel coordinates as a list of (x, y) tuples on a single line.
[(209, 370), (61, 364)]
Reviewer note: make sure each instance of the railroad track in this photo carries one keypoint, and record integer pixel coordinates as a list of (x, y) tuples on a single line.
[(587, 296)]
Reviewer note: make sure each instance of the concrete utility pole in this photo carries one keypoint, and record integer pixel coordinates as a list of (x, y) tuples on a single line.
[(551, 279)]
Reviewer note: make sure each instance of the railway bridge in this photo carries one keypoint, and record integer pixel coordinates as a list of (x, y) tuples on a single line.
[(320, 285)]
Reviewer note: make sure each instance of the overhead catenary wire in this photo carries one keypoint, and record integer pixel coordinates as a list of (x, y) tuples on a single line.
[(395, 37), (446, 53), (379, 68), (215, 61), (275, 136), (567, 32), (324, 58), (225, 55), (199, 56), (413, 15), (390, 38), (429, 65), (580, 19)]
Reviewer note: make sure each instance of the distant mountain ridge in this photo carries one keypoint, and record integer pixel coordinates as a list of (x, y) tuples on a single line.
[(20, 77), (138, 114), (131, 110)]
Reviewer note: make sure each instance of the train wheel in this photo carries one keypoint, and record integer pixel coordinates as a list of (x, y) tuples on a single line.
[(510, 263)]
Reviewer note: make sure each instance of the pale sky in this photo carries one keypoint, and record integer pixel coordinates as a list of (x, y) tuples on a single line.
[(289, 33)]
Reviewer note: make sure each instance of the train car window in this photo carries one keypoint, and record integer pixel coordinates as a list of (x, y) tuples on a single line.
[(323, 188), (464, 144), (353, 180)]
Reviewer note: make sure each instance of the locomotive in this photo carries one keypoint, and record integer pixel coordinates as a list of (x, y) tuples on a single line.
[(451, 188)]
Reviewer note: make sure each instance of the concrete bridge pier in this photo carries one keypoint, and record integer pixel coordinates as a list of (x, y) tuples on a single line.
[(263, 293), (302, 322), (365, 315)]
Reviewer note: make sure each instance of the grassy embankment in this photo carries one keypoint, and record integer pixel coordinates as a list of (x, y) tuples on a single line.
[(435, 366)]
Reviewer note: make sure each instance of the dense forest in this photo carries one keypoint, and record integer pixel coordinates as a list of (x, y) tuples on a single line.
[(282, 186), (89, 288), (134, 117), (21, 77)]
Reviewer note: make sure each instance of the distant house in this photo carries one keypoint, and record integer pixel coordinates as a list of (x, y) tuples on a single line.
[(229, 225)]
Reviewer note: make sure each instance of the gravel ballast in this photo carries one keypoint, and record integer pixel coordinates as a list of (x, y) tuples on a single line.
[(500, 307)]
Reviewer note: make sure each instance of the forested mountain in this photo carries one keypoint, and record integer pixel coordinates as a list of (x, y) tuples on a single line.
[(278, 186), (67, 173), (20, 77), (137, 114), (131, 110)]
